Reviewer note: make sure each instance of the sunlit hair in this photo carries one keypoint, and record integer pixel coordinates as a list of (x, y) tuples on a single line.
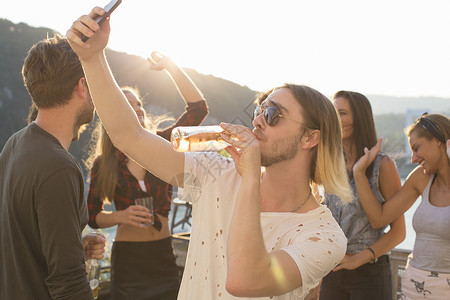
[(32, 113), (260, 97), (328, 165), (51, 71), (133, 91), (364, 132), (441, 122), (107, 155)]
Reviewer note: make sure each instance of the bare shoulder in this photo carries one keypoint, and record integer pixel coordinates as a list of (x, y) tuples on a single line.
[(387, 163), (386, 159), (388, 168), (417, 179)]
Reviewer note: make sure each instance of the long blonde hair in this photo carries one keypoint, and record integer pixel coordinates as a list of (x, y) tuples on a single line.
[(106, 154), (328, 165)]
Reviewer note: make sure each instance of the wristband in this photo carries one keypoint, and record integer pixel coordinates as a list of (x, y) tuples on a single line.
[(374, 258)]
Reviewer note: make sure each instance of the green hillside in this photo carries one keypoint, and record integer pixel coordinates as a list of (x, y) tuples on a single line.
[(227, 101)]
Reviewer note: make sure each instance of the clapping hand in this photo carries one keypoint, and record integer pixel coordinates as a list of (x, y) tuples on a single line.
[(364, 162)]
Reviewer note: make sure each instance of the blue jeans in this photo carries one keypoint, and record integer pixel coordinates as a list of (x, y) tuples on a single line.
[(368, 282)]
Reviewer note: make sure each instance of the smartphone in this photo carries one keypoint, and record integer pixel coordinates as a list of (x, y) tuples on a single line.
[(109, 8)]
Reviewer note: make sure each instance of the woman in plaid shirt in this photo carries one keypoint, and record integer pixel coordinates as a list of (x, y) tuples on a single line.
[(142, 263)]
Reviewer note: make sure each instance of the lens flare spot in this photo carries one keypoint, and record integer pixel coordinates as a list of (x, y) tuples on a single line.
[(278, 272)]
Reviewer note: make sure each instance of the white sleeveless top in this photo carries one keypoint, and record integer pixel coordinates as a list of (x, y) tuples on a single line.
[(432, 226)]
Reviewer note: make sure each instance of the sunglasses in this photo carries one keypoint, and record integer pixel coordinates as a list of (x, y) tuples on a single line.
[(272, 114)]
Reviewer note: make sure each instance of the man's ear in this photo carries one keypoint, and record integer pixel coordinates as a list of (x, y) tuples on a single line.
[(311, 139), (81, 88)]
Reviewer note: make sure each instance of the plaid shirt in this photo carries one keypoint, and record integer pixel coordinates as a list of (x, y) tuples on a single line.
[(128, 188)]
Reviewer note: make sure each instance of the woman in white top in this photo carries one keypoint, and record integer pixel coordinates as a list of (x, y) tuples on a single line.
[(427, 273)]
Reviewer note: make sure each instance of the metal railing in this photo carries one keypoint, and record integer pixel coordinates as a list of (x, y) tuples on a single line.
[(398, 259)]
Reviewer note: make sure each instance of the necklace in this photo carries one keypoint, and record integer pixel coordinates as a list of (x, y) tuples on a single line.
[(444, 188), (440, 185), (303, 203)]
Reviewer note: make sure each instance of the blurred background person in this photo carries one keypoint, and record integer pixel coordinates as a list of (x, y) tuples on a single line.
[(142, 263), (427, 273), (365, 271)]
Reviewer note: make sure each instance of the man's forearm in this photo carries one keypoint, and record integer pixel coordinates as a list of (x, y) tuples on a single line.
[(246, 250), (114, 110), (123, 127)]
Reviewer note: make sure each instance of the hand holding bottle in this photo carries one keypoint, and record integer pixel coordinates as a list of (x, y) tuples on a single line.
[(94, 245)]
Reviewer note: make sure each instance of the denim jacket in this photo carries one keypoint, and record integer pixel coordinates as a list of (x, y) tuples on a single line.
[(352, 218)]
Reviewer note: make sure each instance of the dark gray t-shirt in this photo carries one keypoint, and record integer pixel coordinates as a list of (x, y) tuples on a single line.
[(42, 215)]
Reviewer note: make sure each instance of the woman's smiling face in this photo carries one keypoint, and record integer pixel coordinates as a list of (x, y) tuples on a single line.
[(425, 152)]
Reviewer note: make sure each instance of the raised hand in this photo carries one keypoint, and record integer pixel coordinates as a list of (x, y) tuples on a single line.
[(98, 35), (248, 159), (135, 215), (159, 62), (94, 245), (364, 162)]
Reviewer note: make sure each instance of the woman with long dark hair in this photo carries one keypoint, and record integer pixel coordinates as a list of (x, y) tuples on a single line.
[(365, 272), (142, 263)]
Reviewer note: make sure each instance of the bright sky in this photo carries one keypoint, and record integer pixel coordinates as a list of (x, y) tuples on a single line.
[(391, 47)]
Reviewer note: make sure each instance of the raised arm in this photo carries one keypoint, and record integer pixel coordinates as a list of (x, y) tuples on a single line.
[(381, 215), (116, 114), (185, 85), (390, 184), (196, 109)]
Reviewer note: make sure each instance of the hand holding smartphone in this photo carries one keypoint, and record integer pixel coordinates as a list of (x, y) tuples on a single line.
[(109, 8)]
